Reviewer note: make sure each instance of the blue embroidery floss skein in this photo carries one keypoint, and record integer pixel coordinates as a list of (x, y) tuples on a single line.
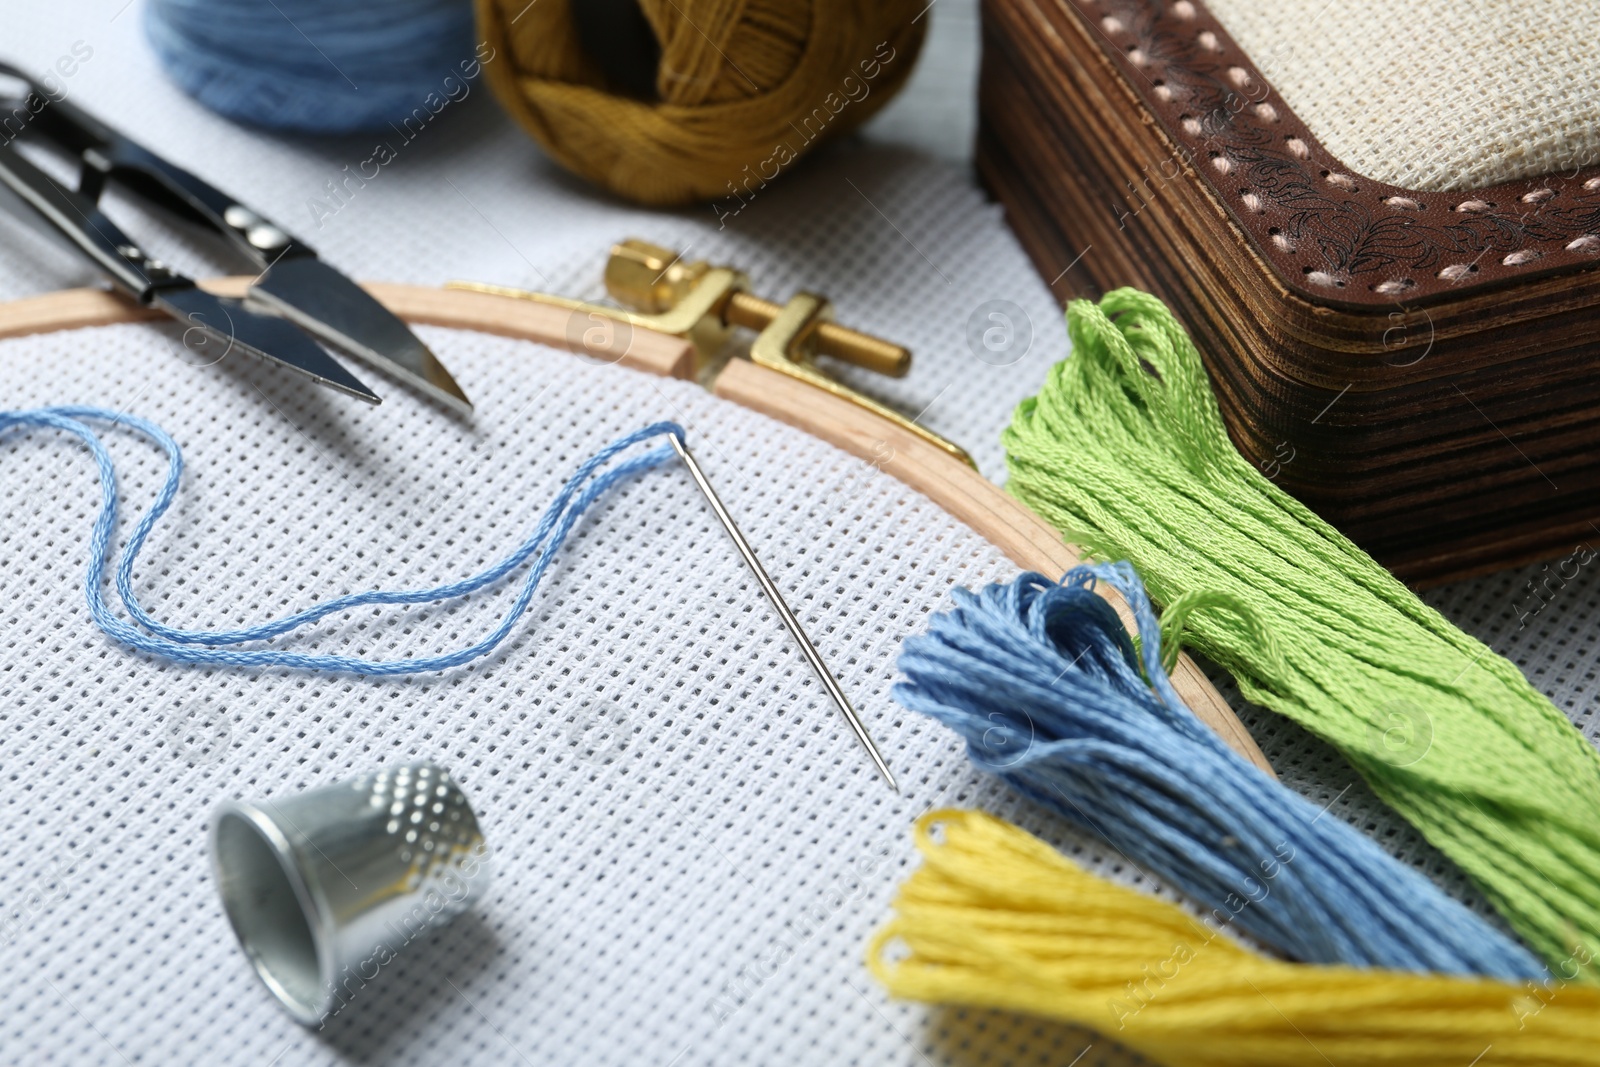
[(317, 66), (592, 478), (1051, 694)]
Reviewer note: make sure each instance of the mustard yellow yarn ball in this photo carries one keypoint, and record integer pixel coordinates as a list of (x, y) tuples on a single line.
[(742, 89)]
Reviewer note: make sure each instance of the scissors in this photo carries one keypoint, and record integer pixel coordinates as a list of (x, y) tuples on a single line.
[(293, 282)]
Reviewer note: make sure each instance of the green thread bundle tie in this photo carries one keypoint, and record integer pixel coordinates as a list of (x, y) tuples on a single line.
[(1125, 452)]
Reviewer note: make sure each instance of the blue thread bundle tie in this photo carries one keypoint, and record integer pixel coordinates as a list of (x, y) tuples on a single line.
[(1045, 684), (199, 646)]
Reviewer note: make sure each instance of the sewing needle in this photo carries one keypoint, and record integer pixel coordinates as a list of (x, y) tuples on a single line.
[(783, 609)]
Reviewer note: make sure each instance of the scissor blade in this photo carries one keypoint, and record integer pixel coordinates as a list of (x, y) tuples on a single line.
[(218, 326), (321, 300)]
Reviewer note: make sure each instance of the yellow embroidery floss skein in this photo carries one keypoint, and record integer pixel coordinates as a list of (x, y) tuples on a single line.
[(997, 918)]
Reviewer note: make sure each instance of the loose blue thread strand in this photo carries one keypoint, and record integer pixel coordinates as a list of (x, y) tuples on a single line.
[(196, 646), (1045, 684)]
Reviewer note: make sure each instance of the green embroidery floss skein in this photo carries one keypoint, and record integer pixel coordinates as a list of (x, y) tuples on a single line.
[(1125, 453)]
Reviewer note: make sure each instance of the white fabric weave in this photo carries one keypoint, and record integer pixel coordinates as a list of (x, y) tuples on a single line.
[(1433, 95), (667, 789), (670, 796)]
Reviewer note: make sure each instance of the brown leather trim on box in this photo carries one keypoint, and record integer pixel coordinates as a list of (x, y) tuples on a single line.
[(1447, 439), (1330, 235)]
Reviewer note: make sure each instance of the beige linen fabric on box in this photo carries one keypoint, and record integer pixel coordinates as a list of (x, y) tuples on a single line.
[(1433, 95)]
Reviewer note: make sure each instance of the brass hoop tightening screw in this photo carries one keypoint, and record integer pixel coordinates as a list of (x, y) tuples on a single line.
[(842, 343)]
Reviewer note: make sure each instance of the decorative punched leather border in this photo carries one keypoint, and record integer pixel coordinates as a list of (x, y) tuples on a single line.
[(1333, 236)]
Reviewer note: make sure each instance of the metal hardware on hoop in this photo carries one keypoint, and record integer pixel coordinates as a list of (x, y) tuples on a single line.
[(703, 304)]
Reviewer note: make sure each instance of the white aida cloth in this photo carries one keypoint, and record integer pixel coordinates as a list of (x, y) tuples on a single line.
[(690, 848), (1433, 95), (669, 794)]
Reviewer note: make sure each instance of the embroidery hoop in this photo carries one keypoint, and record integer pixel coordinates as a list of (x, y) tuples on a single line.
[(965, 494)]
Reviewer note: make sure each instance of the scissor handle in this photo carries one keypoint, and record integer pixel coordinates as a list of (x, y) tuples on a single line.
[(81, 222), (106, 153)]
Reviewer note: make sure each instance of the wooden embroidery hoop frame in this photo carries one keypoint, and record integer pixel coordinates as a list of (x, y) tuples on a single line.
[(965, 494)]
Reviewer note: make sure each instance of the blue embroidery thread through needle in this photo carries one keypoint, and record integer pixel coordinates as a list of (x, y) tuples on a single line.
[(200, 647)]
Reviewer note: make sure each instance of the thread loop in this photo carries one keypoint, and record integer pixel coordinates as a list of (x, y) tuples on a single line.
[(147, 634)]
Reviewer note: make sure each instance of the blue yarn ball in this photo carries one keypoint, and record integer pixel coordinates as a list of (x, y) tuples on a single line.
[(313, 66)]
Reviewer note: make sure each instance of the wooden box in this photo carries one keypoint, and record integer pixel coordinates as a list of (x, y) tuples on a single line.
[(1416, 366)]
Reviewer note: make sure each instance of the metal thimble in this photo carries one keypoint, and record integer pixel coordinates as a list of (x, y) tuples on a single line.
[(325, 888)]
